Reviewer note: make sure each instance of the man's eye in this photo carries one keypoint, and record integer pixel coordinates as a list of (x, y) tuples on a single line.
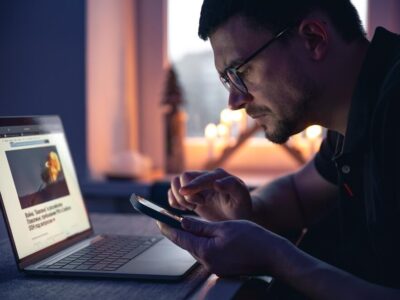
[(243, 73)]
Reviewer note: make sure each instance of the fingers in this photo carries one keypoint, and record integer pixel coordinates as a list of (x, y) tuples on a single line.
[(200, 228), (179, 201), (230, 185), (183, 239), (175, 199), (187, 190), (172, 202), (202, 182)]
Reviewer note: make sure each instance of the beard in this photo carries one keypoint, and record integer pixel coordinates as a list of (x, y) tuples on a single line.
[(281, 132), (293, 119)]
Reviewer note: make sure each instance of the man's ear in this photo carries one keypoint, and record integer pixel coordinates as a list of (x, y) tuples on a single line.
[(314, 33)]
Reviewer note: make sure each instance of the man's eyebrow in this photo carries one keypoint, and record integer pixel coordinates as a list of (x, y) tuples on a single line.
[(232, 64)]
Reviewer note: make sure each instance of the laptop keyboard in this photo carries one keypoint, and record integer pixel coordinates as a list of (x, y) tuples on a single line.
[(107, 254)]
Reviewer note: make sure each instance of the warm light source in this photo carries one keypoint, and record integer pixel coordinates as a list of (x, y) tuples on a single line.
[(211, 131), (313, 132), (236, 115), (226, 117), (222, 130)]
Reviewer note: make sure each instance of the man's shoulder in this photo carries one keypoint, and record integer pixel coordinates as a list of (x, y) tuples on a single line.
[(389, 96), (392, 78), (386, 49), (385, 120)]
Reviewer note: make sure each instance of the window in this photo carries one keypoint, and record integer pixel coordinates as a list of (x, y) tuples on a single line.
[(362, 8), (193, 61)]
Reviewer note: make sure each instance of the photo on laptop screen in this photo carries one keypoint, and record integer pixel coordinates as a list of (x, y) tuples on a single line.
[(38, 175)]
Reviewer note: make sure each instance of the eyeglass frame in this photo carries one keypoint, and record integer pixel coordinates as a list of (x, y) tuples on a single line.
[(226, 79)]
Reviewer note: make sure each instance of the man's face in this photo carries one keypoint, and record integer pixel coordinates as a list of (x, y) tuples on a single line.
[(279, 90)]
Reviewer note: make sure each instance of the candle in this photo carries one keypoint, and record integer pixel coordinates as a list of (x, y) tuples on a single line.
[(223, 133), (243, 121), (226, 119), (210, 133), (236, 116)]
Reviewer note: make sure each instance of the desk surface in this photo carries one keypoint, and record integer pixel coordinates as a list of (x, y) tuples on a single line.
[(16, 285)]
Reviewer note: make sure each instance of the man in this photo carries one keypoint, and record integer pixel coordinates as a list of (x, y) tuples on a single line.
[(291, 64)]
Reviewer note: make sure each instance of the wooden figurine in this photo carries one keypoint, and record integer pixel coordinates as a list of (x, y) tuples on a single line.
[(175, 123)]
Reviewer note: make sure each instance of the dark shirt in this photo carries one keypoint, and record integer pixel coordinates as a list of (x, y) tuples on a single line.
[(365, 165)]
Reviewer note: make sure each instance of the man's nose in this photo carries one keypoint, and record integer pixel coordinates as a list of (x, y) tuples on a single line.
[(238, 100)]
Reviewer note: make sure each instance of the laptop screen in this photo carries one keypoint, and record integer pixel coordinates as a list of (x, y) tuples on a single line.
[(38, 185)]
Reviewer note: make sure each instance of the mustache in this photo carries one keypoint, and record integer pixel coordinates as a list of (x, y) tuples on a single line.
[(257, 110)]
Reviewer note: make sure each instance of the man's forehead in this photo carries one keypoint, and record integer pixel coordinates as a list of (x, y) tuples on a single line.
[(234, 40)]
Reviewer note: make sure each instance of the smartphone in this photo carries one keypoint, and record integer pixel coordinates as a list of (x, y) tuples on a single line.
[(156, 212)]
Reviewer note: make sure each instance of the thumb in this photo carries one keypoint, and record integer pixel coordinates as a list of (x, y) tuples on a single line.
[(199, 227)]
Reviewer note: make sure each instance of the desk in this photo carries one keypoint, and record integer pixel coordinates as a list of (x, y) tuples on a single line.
[(199, 284), (16, 285)]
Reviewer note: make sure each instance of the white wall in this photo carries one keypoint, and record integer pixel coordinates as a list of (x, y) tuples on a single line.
[(111, 82), (125, 62), (152, 51), (384, 13)]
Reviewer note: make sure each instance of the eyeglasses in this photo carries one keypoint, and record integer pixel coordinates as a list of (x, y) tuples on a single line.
[(230, 77)]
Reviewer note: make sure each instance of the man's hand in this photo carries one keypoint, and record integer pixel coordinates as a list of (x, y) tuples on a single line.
[(215, 195), (229, 248), (232, 248)]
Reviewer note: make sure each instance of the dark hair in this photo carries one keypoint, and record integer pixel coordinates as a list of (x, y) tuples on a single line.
[(278, 14)]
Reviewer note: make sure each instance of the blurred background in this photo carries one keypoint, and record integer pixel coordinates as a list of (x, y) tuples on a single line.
[(138, 93)]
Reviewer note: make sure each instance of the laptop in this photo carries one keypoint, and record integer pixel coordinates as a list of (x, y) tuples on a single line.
[(46, 217)]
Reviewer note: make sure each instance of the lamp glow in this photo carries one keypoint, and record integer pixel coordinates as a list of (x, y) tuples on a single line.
[(226, 116), (236, 115), (211, 131), (222, 130), (313, 132)]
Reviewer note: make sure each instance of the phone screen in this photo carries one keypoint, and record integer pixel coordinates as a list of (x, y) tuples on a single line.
[(157, 208)]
